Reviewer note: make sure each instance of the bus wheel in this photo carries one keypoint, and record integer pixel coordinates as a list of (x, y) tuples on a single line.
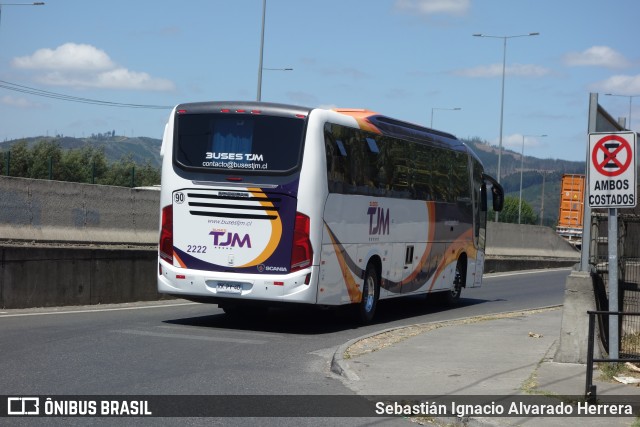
[(452, 296), (370, 295)]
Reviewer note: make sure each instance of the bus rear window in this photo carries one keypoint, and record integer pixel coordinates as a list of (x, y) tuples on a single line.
[(238, 142)]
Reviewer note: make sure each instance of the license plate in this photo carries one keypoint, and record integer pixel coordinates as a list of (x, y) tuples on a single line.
[(229, 287)]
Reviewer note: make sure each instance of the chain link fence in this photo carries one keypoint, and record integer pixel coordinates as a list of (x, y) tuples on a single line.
[(628, 275)]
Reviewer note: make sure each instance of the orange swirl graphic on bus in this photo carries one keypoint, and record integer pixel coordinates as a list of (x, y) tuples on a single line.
[(276, 229)]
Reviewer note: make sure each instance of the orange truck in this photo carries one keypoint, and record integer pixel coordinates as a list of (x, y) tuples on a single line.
[(570, 218)]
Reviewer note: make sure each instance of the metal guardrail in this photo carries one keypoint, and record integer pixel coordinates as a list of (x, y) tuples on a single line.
[(590, 391)]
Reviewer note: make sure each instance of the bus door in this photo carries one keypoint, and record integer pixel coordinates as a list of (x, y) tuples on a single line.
[(480, 232), (480, 222)]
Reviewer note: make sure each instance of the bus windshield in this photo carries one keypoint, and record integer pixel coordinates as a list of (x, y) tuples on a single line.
[(247, 143)]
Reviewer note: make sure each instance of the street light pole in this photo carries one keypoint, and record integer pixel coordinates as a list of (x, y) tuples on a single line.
[(264, 12), (449, 109), (521, 169), (260, 67), (504, 63), (630, 100)]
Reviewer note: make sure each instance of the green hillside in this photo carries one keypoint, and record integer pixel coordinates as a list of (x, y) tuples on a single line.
[(142, 149), (534, 172)]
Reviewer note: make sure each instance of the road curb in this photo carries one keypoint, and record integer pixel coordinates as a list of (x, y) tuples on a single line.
[(340, 365)]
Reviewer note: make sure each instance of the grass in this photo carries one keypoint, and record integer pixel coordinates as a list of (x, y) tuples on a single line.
[(631, 341), (610, 369)]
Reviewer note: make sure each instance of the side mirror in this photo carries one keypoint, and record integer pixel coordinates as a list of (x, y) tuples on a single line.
[(498, 197), (496, 191)]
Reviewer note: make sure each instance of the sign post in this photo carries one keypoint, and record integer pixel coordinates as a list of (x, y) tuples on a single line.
[(612, 185)]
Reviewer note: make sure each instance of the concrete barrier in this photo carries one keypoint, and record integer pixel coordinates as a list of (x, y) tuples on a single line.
[(54, 211), (58, 276), (513, 247), (67, 243)]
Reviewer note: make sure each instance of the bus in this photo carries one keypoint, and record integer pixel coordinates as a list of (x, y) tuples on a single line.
[(264, 204)]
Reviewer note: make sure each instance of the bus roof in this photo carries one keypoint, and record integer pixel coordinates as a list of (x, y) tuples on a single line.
[(378, 123), (252, 107)]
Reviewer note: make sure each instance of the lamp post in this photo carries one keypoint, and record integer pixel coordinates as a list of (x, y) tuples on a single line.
[(35, 3), (630, 99), (264, 12), (260, 67), (504, 62), (521, 168), (449, 109)]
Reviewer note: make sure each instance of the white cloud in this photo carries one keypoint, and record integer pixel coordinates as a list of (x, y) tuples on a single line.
[(620, 85), (69, 56), (85, 66), (494, 70), (328, 106), (18, 102), (125, 79), (434, 7), (596, 56), (514, 142)]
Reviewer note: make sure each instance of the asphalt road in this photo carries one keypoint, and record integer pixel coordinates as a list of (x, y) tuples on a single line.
[(181, 348)]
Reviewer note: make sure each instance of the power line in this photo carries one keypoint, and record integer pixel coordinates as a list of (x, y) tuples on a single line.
[(39, 92)]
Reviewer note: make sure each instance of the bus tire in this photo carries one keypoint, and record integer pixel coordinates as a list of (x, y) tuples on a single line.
[(370, 295), (452, 296)]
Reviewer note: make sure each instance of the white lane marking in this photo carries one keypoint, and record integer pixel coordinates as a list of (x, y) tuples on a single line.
[(97, 310), (191, 328), (189, 337), (520, 273)]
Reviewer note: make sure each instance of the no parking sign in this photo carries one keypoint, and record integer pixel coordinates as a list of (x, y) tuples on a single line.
[(612, 170)]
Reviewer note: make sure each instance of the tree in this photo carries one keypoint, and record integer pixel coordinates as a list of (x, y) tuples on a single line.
[(87, 164), (121, 173), (510, 212), (147, 175), (83, 164), (21, 158), (45, 155)]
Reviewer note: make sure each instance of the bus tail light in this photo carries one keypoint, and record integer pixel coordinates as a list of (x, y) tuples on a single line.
[(301, 253), (166, 234)]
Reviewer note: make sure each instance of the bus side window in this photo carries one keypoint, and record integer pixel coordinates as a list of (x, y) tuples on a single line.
[(335, 155)]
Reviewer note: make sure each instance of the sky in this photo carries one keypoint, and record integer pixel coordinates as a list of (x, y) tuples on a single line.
[(413, 60)]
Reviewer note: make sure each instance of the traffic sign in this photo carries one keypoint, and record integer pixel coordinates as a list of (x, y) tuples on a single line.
[(612, 170)]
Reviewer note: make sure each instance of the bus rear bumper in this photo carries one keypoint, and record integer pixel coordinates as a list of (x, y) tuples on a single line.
[(208, 286)]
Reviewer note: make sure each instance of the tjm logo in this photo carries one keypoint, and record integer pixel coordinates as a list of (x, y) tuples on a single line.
[(378, 220), (235, 156), (224, 238)]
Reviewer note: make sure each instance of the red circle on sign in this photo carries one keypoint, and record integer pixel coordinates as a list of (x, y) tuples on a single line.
[(610, 157)]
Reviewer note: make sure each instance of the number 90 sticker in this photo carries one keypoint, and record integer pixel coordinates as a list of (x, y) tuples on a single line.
[(178, 198)]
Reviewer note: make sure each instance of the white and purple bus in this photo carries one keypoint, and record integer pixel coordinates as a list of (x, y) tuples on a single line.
[(268, 204)]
